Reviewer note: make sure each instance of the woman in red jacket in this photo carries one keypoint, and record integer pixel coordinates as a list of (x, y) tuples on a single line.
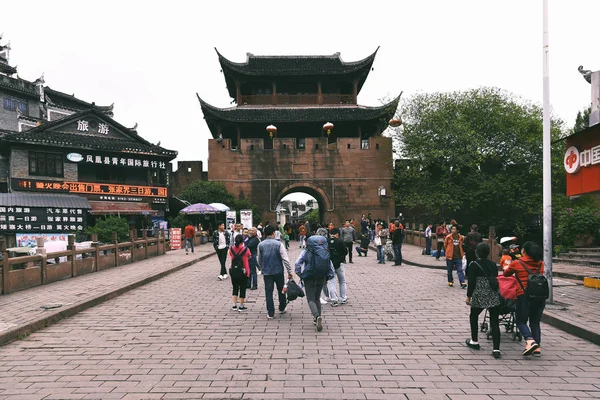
[(528, 309), (239, 283)]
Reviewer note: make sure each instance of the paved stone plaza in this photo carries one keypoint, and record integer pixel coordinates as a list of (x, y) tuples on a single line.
[(400, 336)]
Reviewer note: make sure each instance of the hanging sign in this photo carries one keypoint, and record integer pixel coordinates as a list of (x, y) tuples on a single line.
[(246, 218)]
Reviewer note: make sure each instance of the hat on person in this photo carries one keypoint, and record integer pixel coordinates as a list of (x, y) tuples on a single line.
[(514, 246)]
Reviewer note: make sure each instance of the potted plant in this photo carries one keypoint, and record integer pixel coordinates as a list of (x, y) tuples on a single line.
[(578, 226)]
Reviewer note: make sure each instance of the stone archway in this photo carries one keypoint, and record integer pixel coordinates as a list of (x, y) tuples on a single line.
[(322, 198)]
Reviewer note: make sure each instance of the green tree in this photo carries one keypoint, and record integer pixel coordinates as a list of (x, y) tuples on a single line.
[(106, 226), (582, 120), (475, 156), (206, 192), (313, 216)]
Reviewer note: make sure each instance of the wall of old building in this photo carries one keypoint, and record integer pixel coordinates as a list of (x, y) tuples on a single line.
[(344, 177), (19, 164), (187, 172)]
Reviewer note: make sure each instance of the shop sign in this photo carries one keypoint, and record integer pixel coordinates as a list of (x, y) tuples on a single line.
[(175, 237), (107, 159), (74, 157), (42, 219), (574, 159), (30, 239), (89, 188)]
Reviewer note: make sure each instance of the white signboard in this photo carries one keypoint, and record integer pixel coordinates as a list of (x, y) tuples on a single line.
[(231, 218), (246, 218), (29, 239)]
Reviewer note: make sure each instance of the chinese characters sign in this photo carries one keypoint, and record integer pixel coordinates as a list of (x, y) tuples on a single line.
[(42, 219), (123, 161), (84, 126), (89, 188), (175, 237), (574, 159)]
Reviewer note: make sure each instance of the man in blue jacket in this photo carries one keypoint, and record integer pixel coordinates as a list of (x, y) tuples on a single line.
[(271, 259)]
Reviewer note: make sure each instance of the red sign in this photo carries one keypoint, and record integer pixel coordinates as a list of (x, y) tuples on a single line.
[(175, 237), (582, 163), (89, 188)]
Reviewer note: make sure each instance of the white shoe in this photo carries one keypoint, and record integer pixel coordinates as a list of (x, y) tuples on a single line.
[(323, 301), (225, 276), (220, 277)]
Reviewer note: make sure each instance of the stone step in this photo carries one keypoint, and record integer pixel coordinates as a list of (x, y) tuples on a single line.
[(591, 256), (584, 262), (585, 250)]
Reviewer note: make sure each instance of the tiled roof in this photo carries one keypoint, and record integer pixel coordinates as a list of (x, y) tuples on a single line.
[(72, 102), (18, 85), (44, 135), (7, 69), (299, 114), (43, 200), (296, 65)]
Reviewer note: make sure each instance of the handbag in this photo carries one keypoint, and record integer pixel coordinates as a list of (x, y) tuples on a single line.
[(377, 241), (493, 280), (293, 290)]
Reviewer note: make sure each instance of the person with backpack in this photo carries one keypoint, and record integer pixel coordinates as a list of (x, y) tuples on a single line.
[(532, 293), (239, 272), (337, 252), (472, 240), (272, 259), (484, 293), (314, 267)]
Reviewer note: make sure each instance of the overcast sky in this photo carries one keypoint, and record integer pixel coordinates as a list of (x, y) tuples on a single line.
[(151, 60)]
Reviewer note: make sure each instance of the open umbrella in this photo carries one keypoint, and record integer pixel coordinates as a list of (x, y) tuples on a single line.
[(199, 208), (220, 206)]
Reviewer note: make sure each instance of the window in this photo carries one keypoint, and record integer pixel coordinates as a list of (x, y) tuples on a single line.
[(45, 164), (364, 144), (317, 146), (11, 104), (300, 143)]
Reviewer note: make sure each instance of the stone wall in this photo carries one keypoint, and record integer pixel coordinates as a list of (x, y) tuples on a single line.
[(187, 172), (342, 177), (20, 166)]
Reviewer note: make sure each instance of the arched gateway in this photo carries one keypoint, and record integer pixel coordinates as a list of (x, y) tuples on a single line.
[(342, 166)]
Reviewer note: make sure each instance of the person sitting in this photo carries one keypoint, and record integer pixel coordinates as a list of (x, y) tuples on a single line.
[(364, 245)]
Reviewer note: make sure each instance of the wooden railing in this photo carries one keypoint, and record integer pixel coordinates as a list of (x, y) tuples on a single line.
[(296, 99), (20, 273)]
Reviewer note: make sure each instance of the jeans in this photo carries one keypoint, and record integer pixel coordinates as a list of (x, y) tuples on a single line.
[(313, 288), (270, 282), (222, 254), (349, 247), (428, 246), (494, 325), (531, 310), (398, 254), (331, 284), (360, 251), (253, 279), (302, 238), (452, 264), (380, 254), (439, 250), (189, 242)]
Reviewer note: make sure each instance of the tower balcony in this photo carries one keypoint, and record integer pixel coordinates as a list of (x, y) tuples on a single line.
[(283, 99)]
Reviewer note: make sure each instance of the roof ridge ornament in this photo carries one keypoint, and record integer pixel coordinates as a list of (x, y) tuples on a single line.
[(587, 74)]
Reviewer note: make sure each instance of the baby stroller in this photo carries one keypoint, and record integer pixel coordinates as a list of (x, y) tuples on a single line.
[(389, 250), (508, 292)]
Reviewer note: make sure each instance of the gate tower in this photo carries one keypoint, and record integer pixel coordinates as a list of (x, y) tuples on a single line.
[(343, 164)]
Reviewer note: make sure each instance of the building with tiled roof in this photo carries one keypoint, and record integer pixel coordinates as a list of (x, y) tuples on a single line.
[(297, 127), (55, 143)]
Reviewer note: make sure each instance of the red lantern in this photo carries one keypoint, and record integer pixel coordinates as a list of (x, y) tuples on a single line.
[(272, 129), (395, 122), (328, 127)]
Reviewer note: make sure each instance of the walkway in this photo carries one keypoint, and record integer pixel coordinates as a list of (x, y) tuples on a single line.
[(401, 336)]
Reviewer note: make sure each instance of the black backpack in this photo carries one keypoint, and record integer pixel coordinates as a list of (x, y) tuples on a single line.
[(237, 270), (537, 284)]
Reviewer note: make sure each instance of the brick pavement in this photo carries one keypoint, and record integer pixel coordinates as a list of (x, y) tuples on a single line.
[(21, 312), (576, 307), (401, 336)]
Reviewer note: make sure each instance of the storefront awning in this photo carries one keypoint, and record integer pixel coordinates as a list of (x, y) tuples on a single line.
[(43, 200), (116, 207)]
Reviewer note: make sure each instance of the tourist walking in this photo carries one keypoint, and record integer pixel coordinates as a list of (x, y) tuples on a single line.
[(252, 244), (483, 293), (189, 233), (428, 235), (348, 236), (239, 271), (397, 240), (453, 246), (529, 306), (302, 235), (221, 240), (314, 267), (440, 233), (337, 252), (272, 259)]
